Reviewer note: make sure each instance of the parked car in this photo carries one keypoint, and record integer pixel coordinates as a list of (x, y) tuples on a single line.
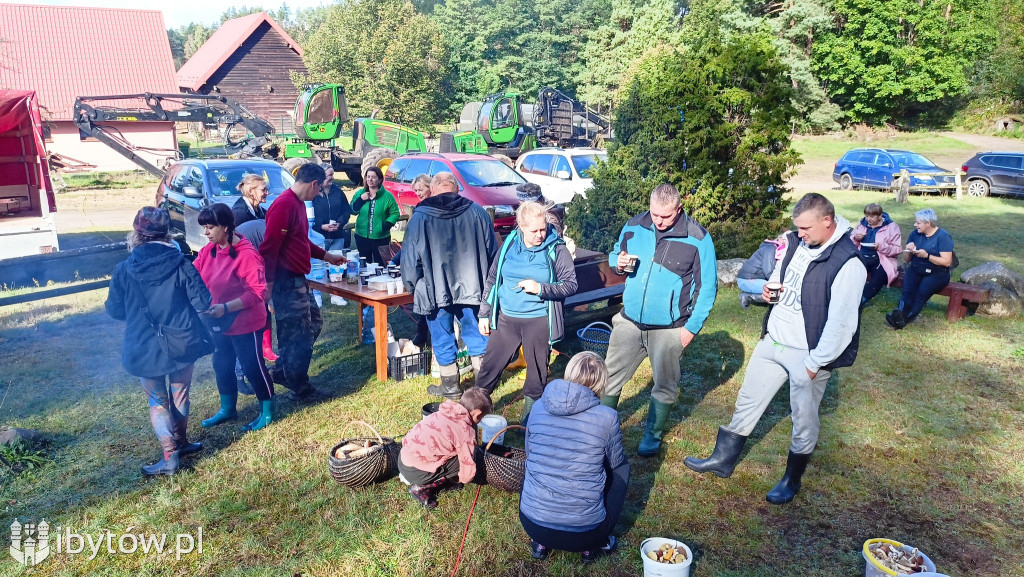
[(995, 172), (191, 185), (875, 167), (483, 179), (562, 173)]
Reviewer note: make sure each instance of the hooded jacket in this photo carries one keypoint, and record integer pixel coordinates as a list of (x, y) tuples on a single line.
[(676, 279), (558, 284), (241, 277), (440, 436), (572, 441), (889, 240), (760, 264), (448, 250), (160, 277)]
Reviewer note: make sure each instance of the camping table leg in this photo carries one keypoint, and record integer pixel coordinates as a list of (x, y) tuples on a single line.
[(380, 341)]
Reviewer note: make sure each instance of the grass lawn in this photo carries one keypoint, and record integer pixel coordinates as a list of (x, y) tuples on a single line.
[(922, 441), (831, 148)]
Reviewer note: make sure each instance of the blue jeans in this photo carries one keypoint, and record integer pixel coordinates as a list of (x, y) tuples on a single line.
[(751, 285), (917, 289), (334, 243), (441, 324)]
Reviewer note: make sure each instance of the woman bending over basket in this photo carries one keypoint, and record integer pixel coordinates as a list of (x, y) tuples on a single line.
[(524, 291), (437, 453), (576, 470)]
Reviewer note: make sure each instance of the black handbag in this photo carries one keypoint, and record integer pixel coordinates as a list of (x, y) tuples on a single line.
[(184, 345), (222, 324)]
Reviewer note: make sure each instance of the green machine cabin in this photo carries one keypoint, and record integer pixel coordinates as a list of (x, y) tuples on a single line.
[(323, 130), (500, 127)]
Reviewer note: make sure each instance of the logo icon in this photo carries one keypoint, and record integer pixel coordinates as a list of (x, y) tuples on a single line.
[(30, 543)]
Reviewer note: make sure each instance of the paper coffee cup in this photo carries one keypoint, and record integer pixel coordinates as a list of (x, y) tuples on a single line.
[(631, 265), (774, 290)]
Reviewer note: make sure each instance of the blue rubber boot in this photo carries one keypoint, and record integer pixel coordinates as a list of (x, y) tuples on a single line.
[(610, 401), (265, 418), (227, 411)]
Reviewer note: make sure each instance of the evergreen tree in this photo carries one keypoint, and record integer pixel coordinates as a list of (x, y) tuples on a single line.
[(713, 120)]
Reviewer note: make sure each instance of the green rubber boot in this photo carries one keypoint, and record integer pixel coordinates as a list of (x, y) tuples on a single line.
[(226, 413), (266, 416), (610, 401), (528, 405), (657, 414)]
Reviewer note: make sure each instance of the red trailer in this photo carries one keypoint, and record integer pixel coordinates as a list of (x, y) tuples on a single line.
[(27, 202)]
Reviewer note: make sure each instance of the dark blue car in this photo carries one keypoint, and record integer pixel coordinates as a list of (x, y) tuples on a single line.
[(191, 185), (876, 167)]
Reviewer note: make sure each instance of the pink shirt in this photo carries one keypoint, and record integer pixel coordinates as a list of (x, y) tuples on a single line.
[(439, 437), (240, 277)]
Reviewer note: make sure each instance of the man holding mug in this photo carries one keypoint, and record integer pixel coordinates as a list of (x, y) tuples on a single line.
[(813, 327), (671, 284)]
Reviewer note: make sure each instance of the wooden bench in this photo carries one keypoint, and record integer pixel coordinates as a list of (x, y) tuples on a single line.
[(596, 282), (957, 292)]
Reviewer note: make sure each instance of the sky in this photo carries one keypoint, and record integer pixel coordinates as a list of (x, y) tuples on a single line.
[(180, 12)]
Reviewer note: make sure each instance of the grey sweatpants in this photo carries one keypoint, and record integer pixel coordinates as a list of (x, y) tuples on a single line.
[(627, 348), (769, 368)]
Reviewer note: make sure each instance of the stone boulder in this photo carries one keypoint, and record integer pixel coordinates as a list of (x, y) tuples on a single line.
[(1006, 289), (728, 269), (13, 435)]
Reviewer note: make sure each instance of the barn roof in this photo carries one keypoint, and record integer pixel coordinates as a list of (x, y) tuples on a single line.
[(224, 42), (62, 52)]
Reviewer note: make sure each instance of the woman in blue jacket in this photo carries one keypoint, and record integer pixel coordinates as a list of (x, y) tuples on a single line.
[(525, 288), (157, 285), (576, 470)]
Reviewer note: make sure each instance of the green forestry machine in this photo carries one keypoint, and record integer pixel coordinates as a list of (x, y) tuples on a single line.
[(321, 114), (503, 124)]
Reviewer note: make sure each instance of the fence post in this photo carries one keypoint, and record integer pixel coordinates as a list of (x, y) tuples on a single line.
[(902, 196), (959, 185)]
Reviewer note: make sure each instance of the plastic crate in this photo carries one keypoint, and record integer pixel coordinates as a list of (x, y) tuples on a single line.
[(401, 368)]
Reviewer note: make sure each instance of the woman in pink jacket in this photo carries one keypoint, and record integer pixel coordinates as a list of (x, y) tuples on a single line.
[(233, 270), (879, 241)]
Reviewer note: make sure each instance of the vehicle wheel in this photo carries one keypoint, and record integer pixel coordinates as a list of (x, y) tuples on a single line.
[(292, 164), (504, 158), (977, 188), (353, 175), (845, 182), (379, 157)]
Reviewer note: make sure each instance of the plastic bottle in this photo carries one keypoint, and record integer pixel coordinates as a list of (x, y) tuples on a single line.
[(317, 269)]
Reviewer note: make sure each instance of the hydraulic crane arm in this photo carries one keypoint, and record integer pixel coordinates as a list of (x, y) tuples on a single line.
[(210, 110), (562, 121)]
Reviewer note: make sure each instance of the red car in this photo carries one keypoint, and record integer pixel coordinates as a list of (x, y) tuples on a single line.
[(483, 179)]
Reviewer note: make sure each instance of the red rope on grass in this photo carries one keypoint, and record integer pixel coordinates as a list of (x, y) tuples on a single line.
[(466, 531), (510, 403)]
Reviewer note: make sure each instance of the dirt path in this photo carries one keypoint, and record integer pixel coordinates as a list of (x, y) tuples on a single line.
[(986, 143)]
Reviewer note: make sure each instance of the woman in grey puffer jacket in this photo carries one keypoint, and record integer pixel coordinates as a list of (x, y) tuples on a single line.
[(576, 470)]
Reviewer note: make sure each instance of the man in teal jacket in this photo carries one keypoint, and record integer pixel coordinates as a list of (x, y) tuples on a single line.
[(671, 286)]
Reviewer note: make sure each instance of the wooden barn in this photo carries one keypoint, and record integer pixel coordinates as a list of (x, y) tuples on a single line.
[(249, 59)]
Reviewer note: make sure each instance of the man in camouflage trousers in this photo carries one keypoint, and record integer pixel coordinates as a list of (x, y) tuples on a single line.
[(286, 251)]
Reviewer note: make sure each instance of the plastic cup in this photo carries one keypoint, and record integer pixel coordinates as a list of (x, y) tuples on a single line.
[(392, 287)]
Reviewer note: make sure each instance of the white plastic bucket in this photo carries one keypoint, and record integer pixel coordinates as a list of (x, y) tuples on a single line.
[(654, 568), (490, 425), (875, 569)]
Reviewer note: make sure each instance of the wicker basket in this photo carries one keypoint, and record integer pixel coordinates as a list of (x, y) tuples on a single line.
[(595, 337), (500, 466), (379, 464)]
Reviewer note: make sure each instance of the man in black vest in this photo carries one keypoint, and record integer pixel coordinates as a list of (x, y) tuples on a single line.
[(814, 328)]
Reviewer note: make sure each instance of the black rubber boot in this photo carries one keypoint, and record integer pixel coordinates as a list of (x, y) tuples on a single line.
[(723, 459), (789, 486), (449, 387), (166, 466)]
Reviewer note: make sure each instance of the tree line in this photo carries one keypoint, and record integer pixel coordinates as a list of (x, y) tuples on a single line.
[(848, 61)]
